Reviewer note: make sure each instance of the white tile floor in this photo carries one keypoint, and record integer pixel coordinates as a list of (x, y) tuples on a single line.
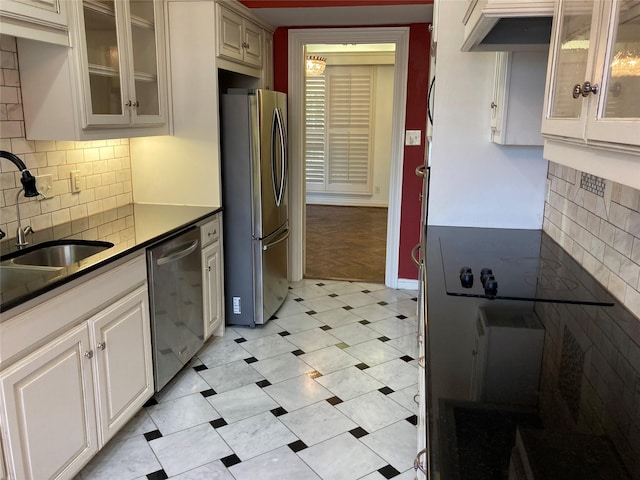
[(323, 391)]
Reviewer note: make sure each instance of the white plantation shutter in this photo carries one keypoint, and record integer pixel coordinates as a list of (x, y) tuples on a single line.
[(349, 122), (339, 125), (315, 101)]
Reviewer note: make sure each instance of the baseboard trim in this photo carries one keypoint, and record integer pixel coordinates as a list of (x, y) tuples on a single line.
[(407, 284)]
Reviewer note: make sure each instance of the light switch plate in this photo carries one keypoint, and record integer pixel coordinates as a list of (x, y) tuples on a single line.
[(75, 181), (412, 137)]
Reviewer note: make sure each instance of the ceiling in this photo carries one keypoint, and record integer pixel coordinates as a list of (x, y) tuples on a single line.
[(336, 16)]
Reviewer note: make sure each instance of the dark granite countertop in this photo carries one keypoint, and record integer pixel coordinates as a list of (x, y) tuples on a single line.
[(130, 228)]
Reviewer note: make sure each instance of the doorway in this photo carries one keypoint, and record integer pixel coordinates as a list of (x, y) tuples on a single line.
[(298, 40), (348, 96)]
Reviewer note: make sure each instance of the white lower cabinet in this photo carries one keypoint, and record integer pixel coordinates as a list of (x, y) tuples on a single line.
[(62, 401), (213, 302), (212, 279), (121, 342), (48, 410)]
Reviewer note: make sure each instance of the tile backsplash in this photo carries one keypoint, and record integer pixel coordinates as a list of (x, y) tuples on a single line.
[(104, 166), (598, 222)]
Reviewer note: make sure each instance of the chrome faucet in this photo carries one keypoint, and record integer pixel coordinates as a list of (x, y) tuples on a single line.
[(29, 188), (21, 233)]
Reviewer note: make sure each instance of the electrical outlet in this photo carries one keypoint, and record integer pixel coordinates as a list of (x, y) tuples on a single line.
[(44, 184), (75, 181), (412, 137)]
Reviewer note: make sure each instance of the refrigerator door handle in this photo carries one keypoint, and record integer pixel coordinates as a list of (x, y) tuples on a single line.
[(278, 126), (279, 240), (283, 152)]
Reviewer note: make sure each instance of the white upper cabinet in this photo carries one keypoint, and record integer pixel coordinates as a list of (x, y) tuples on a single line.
[(594, 74), (239, 38), (242, 40), (120, 62), (518, 93), (42, 20), (110, 85)]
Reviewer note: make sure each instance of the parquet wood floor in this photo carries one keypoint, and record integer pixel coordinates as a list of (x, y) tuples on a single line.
[(346, 243)]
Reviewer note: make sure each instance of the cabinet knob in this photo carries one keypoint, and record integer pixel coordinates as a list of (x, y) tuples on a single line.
[(88, 354), (128, 104), (101, 345), (587, 88), (208, 269), (494, 105)]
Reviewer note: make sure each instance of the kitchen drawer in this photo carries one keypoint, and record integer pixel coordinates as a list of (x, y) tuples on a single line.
[(210, 231)]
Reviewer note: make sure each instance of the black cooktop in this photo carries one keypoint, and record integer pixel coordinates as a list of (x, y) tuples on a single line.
[(537, 379), (513, 265)]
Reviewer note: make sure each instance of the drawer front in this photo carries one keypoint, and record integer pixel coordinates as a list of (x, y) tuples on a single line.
[(210, 232)]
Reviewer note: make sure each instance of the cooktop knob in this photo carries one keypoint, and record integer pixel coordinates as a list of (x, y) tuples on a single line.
[(484, 274), (491, 286)]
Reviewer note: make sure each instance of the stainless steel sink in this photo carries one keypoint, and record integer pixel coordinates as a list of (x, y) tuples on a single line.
[(22, 276), (58, 253)]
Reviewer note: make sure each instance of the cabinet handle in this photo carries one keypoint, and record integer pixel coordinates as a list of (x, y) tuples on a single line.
[(101, 345), (585, 89), (494, 105), (417, 464), (88, 354), (416, 398), (421, 362)]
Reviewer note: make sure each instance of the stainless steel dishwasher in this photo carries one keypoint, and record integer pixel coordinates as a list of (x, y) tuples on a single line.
[(177, 326)]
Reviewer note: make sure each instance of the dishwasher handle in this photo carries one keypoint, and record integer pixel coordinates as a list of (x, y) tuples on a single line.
[(178, 253)]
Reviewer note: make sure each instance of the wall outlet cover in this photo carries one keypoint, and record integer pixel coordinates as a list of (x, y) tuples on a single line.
[(412, 137), (44, 184)]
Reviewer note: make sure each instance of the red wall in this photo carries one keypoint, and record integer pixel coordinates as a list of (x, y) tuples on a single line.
[(416, 119)]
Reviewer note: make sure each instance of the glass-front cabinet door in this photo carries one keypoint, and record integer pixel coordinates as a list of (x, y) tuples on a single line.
[(104, 93), (615, 116), (571, 60), (594, 75), (144, 61), (122, 77)]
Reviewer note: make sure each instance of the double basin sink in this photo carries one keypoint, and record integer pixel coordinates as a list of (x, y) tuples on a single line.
[(45, 261)]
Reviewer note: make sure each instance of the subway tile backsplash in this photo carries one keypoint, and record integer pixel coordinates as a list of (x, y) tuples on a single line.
[(104, 166), (598, 222)]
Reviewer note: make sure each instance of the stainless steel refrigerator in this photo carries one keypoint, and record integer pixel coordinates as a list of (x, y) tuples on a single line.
[(254, 190)]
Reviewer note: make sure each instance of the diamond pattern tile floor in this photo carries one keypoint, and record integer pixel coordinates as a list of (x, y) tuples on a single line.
[(323, 391)]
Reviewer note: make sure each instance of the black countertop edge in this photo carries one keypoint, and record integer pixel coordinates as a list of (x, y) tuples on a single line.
[(101, 259)]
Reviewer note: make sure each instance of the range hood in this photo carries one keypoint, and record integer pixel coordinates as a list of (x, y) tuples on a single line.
[(507, 25)]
